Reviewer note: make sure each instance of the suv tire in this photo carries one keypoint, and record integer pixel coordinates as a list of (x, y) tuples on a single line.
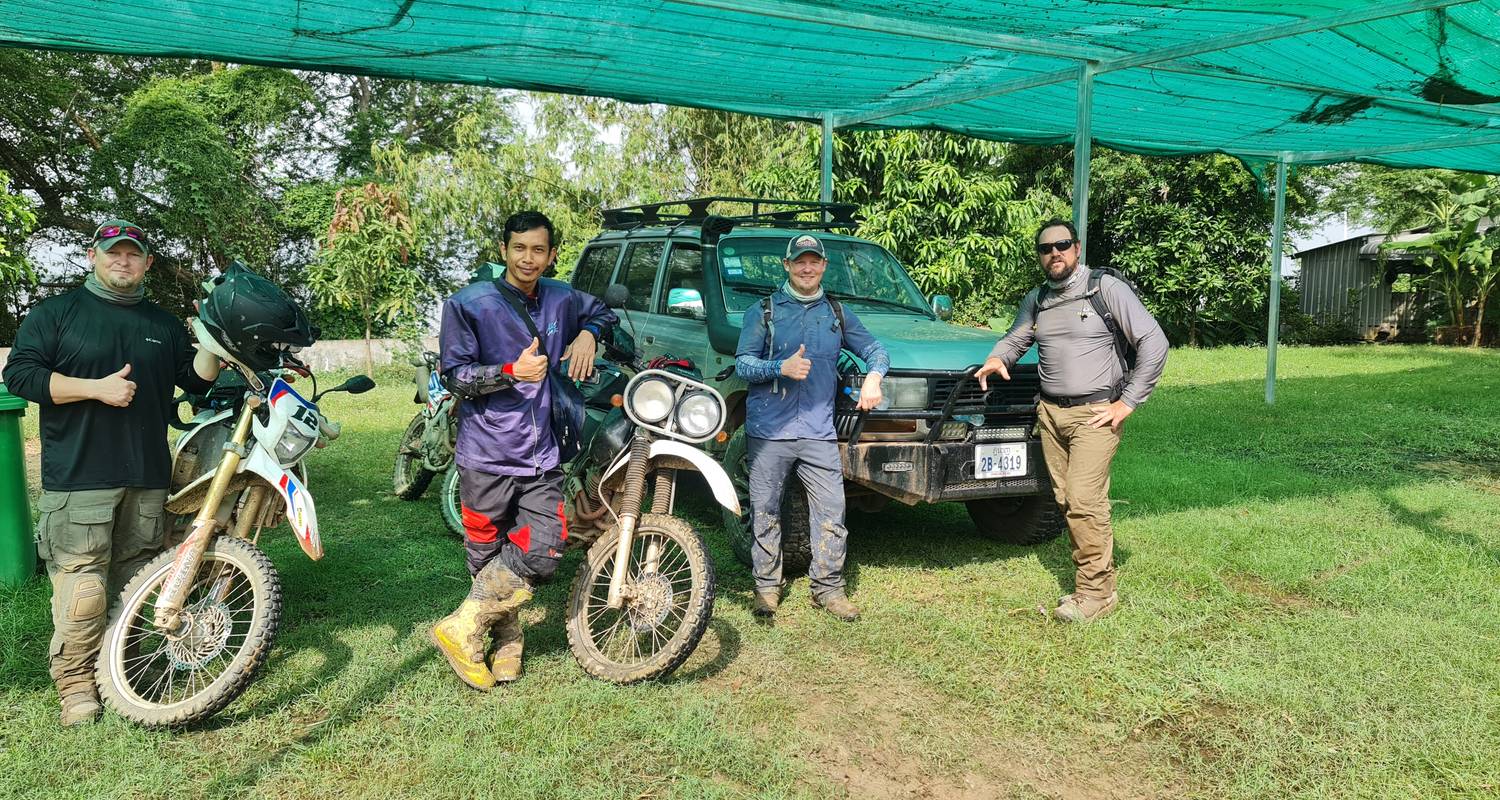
[(1018, 520), (796, 536)]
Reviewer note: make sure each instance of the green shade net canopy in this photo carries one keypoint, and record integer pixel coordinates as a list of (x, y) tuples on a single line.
[(1406, 84)]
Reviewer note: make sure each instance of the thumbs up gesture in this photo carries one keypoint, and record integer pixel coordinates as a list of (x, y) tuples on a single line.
[(797, 366), (530, 366), (116, 389)]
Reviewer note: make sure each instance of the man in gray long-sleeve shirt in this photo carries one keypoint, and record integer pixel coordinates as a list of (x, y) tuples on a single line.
[(1087, 393)]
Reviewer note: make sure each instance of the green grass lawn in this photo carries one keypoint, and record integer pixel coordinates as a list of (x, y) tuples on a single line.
[(1310, 608)]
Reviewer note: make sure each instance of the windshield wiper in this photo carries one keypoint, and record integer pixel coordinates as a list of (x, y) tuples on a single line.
[(877, 301)]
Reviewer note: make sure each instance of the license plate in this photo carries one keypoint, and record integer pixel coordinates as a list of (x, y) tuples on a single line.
[(1005, 460)]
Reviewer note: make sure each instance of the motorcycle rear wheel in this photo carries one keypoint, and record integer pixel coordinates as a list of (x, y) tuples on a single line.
[(665, 612), (411, 478), (452, 505), (234, 609)]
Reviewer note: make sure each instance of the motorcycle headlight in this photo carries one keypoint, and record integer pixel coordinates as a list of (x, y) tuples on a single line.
[(651, 401), (905, 392), (293, 445), (698, 415)]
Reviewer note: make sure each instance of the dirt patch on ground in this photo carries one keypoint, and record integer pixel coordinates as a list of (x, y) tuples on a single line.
[(1258, 587), (870, 738), (1483, 475)]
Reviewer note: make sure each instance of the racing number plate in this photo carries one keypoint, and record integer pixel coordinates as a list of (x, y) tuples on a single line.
[(1004, 460)]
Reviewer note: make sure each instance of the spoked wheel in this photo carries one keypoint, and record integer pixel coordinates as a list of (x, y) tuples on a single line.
[(411, 478), (232, 612), (669, 597), (452, 505)]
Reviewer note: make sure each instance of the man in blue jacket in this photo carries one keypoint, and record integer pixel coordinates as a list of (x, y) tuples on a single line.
[(792, 369), (510, 474)]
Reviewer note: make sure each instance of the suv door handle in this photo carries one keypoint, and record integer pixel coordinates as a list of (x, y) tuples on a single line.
[(649, 340)]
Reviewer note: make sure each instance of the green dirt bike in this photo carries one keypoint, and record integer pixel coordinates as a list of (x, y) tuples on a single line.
[(426, 448)]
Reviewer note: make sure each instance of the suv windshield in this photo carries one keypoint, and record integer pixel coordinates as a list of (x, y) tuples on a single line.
[(861, 274)]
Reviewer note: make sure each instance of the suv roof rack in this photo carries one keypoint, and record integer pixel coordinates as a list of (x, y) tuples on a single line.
[(793, 214)]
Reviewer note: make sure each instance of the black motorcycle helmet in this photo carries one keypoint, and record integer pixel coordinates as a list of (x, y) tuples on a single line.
[(253, 318)]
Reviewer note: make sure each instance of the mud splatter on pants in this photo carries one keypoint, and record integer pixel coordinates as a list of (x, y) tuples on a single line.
[(818, 467)]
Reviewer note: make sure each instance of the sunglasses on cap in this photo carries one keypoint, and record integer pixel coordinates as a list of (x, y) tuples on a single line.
[(111, 231), (1043, 248)]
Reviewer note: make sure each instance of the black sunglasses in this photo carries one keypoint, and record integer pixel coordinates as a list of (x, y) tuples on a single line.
[(1043, 248)]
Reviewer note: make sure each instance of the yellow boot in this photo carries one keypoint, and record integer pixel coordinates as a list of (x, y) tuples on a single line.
[(460, 637), (504, 658)]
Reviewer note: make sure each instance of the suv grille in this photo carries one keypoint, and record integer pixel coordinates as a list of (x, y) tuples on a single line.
[(1020, 390)]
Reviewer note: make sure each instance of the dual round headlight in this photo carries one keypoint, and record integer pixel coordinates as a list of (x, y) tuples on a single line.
[(697, 413)]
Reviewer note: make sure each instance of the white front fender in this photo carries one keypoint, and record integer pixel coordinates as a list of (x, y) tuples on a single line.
[(300, 512), (718, 479)]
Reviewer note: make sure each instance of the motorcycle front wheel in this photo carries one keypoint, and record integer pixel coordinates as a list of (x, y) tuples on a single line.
[(411, 478), (233, 610), (669, 597)]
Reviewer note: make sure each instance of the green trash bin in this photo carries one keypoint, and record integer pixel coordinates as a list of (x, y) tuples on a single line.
[(17, 549)]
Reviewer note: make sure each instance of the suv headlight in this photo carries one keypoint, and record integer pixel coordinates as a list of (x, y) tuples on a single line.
[(905, 392), (292, 445), (698, 415), (651, 401)]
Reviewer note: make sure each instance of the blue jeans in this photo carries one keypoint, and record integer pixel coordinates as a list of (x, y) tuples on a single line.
[(817, 464)]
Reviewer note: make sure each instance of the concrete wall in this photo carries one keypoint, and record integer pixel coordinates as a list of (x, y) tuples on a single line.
[(336, 354)]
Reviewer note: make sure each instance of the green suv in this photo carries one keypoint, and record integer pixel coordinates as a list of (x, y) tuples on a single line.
[(937, 437)]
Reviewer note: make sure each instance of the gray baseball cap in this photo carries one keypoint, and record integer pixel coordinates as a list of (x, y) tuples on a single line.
[(804, 243)]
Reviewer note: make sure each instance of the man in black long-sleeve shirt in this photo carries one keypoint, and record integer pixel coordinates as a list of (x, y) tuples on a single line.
[(101, 362)]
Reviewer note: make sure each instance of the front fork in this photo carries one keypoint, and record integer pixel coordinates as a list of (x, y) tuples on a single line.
[(632, 493), (190, 552)]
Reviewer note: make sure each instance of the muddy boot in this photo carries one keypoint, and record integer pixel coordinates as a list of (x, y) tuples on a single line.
[(80, 704), (1077, 608), (837, 604), (460, 637), (766, 602), (504, 659)]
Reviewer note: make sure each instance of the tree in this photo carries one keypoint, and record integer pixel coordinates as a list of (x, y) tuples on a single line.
[(1461, 257), (367, 264)]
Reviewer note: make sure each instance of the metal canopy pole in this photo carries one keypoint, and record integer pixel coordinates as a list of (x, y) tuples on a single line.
[(1273, 319), (826, 194), (1083, 140)]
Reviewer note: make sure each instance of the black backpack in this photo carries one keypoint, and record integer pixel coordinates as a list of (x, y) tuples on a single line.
[(1124, 350)]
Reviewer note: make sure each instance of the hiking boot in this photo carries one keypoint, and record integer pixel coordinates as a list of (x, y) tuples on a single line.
[(80, 707), (504, 659), (766, 602), (837, 604), (1076, 608), (460, 637)]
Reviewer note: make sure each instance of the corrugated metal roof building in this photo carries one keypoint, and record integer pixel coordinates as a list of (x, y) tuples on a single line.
[(1357, 282)]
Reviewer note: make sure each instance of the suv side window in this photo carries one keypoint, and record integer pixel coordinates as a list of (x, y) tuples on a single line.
[(594, 269), (639, 273), (683, 295)]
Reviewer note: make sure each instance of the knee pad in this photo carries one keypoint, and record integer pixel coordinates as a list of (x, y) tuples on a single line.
[(89, 600)]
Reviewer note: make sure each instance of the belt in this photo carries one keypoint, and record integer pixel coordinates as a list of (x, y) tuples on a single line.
[(1106, 396)]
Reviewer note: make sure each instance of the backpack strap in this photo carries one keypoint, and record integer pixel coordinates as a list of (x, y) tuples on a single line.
[(1110, 323), (838, 313), (765, 321)]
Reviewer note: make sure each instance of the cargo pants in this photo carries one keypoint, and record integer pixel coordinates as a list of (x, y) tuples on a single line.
[(1078, 461), (92, 542), (819, 468)]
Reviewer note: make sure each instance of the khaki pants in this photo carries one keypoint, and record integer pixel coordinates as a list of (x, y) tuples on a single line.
[(92, 541), (1078, 459)]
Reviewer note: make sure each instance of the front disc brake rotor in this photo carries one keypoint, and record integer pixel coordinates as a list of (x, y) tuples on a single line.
[(650, 602), (208, 632)]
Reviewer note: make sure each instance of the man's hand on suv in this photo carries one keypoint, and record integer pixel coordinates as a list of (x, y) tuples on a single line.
[(991, 366), (869, 393), (580, 356), (530, 366), (797, 366)]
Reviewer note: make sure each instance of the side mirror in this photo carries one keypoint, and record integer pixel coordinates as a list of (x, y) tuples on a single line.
[(684, 302), (616, 296), (359, 384), (942, 306)]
